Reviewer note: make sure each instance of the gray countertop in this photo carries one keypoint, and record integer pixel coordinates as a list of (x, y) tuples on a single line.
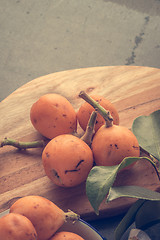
[(41, 37)]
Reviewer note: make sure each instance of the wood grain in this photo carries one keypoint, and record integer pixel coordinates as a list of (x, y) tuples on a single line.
[(134, 90)]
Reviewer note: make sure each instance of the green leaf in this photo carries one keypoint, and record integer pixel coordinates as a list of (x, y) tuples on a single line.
[(133, 192), (142, 210), (148, 214), (147, 131), (101, 179), (128, 219)]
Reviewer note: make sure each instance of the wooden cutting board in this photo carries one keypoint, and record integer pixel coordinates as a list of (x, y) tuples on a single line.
[(134, 90)]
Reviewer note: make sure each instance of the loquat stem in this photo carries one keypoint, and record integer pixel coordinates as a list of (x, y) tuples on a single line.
[(70, 215), (22, 145), (105, 114), (87, 137)]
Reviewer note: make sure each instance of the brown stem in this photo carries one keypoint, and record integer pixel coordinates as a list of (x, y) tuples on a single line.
[(87, 137), (22, 145), (105, 114)]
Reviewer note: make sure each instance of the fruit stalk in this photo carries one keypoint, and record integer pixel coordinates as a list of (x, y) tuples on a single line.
[(72, 216), (105, 114), (22, 145), (87, 136)]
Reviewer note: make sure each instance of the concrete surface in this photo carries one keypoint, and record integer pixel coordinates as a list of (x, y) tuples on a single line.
[(40, 37)]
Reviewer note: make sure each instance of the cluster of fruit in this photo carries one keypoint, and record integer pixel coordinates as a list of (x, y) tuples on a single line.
[(67, 159), (36, 218)]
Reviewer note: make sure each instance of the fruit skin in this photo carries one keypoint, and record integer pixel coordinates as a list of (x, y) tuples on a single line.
[(45, 216), (66, 236), (14, 226), (111, 145), (67, 160), (86, 109), (52, 115)]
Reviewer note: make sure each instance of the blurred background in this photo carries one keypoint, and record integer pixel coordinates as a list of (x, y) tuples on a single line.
[(41, 37)]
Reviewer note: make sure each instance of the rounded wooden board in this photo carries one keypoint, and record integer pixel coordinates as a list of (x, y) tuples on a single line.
[(134, 91)]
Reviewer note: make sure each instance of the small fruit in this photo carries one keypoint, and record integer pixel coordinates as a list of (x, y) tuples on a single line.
[(53, 115), (86, 109), (45, 216), (14, 226), (112, 144), (67, 160), (66, 236)]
